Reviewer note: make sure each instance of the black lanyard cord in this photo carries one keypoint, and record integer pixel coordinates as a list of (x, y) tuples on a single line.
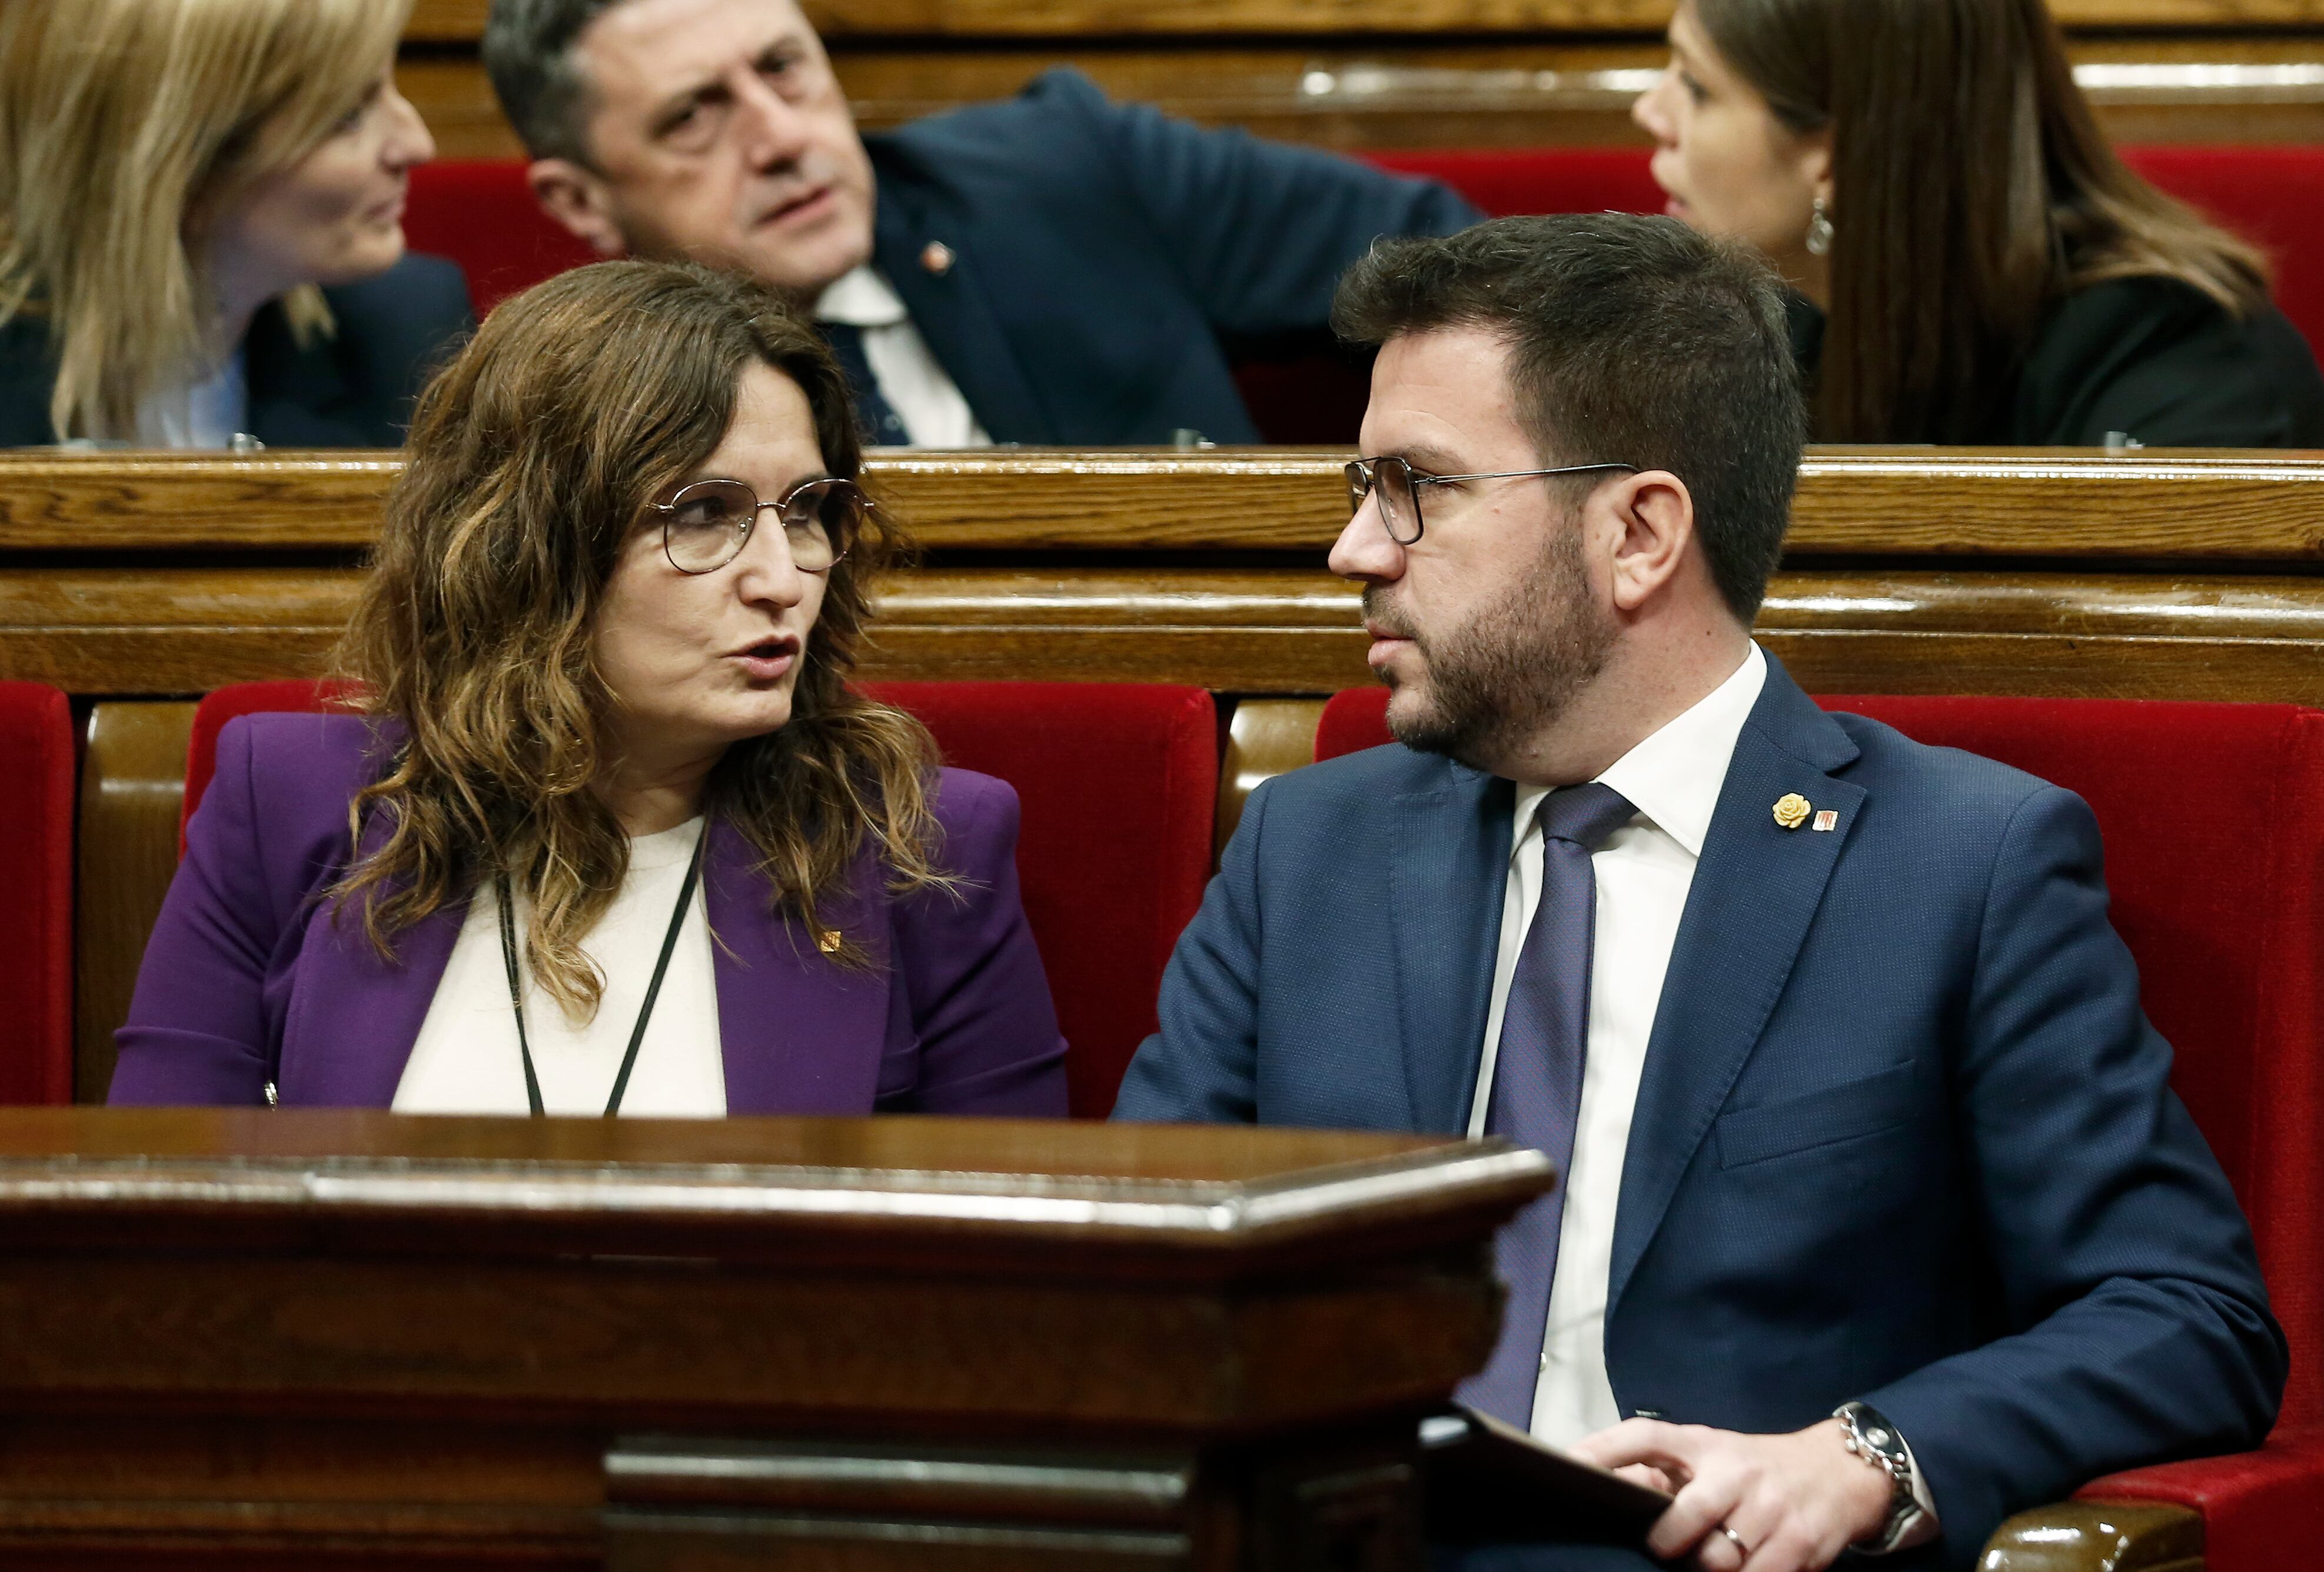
[(645, 1010)]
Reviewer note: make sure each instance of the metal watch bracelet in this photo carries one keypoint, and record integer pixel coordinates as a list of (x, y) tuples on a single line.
[(1870, 1436)]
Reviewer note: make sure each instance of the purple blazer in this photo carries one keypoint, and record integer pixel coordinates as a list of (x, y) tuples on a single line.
[(251, 977)]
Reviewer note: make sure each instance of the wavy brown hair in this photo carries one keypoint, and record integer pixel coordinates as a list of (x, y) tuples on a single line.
[(532, 458), (1972, 189)]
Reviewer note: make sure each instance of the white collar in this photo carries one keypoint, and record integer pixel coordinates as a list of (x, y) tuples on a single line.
[(860, 297), (1673, 777)]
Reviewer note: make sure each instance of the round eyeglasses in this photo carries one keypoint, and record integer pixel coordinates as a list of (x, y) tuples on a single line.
[(706, 524), (1392, 480)]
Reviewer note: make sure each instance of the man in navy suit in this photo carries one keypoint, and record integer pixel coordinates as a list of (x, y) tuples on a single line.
[(1881, 1221), (1050, 269)]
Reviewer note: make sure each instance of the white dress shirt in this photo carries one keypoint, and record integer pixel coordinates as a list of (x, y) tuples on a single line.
[(934, 412), (1643, 872), (466, 1060)]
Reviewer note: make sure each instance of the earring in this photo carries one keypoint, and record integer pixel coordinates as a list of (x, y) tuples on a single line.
[(1819, 230)]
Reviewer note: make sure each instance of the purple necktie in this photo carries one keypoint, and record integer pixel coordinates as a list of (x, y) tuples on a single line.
[(1537, 1079)]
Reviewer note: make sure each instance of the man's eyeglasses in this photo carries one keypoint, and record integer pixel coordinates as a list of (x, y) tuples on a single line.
[(706, 524), (1392, 480)]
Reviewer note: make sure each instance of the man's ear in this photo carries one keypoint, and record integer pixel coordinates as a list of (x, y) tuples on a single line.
[(580, 201), (1651, 517)]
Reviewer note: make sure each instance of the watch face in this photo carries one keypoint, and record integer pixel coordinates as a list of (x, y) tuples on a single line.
[(1872, 1427)]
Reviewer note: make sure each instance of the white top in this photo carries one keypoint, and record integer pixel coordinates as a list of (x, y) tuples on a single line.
[(207, 414), (1643, 872), (934, 412), (466, 1060)]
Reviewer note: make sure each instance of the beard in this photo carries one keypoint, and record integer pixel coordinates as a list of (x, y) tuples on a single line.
[(1507, 674)]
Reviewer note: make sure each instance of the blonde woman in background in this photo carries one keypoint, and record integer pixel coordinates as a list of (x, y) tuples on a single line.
[(201, 236)]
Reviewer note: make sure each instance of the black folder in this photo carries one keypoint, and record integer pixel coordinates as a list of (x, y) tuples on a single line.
[(1490, 1483)]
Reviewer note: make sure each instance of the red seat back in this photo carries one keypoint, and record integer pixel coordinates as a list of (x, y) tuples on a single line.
[(481, 213), (2213, 816), (36, 869), (1117, 783)]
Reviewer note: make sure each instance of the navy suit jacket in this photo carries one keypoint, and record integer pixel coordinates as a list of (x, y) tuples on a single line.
[(1108, 259), (352, 389), (1903, 1133)]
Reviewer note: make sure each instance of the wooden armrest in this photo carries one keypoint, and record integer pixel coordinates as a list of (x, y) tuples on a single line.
[(2097, 1536)]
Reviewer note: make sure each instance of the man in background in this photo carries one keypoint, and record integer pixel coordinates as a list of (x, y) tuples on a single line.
[(1053, 267)]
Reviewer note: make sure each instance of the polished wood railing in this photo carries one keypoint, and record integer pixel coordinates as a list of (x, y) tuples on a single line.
[(1359, 74)]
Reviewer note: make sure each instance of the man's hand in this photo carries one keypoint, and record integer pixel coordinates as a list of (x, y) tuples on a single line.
[(1796, 1501)]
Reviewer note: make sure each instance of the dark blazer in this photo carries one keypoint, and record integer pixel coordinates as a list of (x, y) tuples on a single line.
[(250, 977), (351, 389), (1106, 259), (1903, 1134), (2153, 358)]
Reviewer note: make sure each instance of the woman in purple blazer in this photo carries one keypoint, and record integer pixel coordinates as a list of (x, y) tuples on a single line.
[(612, 832)]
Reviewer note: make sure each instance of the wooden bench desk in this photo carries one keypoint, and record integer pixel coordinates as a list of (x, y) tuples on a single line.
[(297, 1339)]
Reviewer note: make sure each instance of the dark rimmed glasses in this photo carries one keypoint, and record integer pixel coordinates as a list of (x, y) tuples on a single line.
[(706, 524), (1392, 480)]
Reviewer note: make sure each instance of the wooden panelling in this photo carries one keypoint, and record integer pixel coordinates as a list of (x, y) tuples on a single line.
[(143, 500), (1418, 93), (1277, 630), (2190, 506), (462, 21), (1265, 739), (133, 780), (136, 630)]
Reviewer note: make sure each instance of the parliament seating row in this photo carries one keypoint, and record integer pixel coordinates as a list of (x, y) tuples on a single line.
[(2218, 879), (480, 214)]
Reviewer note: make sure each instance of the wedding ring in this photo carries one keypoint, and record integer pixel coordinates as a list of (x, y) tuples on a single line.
[(1736, 1540)]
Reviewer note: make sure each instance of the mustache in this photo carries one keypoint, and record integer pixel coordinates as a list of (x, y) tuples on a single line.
[(1385, 617)]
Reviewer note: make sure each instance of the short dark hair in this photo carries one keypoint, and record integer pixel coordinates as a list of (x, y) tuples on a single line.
[(529, 55), (1633, 340)]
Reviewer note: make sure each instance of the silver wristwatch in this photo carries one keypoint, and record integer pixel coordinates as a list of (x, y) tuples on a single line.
[(1872, 1438)]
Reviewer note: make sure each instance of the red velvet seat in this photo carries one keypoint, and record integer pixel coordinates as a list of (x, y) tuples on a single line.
[(36, 916), (1118, 782), (481, 213), (2213, 822)]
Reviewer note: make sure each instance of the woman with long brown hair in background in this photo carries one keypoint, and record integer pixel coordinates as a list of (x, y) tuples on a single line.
[(613, 835), (1973, 262)]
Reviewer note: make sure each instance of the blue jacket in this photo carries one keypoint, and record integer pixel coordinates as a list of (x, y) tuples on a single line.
[(352, 389), (1902, 1136), (1108, 259)]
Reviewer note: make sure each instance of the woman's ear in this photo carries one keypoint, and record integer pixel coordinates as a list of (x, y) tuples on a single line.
[(1815, 163)]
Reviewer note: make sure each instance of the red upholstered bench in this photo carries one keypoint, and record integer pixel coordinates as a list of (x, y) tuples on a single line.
[(36, 870), (2213, 816), (1117, 783)]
